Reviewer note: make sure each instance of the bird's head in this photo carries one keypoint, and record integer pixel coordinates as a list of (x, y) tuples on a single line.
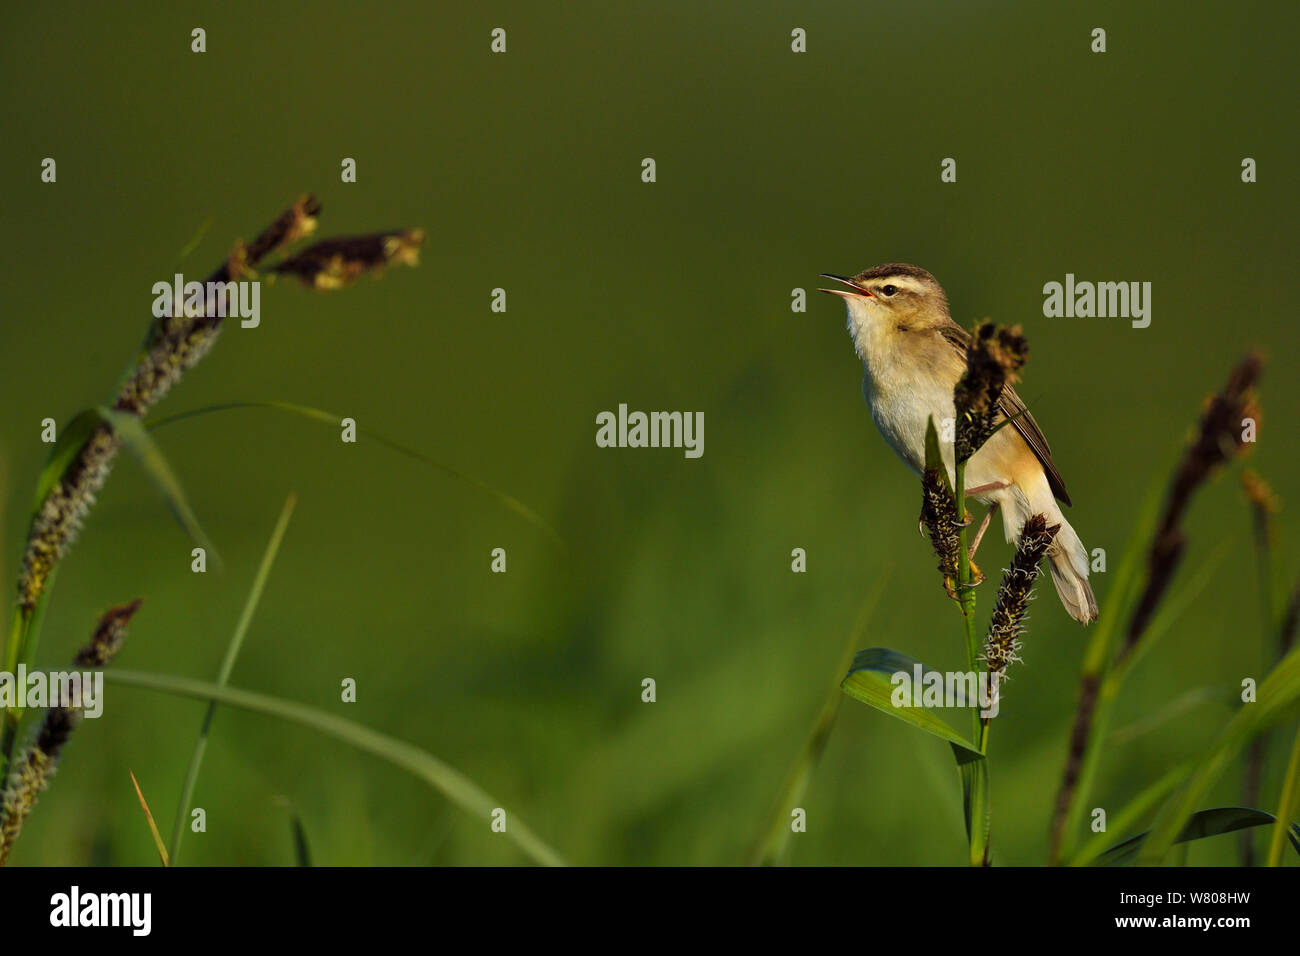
[(890, 297)]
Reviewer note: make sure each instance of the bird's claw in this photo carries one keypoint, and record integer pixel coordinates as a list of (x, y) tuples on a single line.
[(976, 579)]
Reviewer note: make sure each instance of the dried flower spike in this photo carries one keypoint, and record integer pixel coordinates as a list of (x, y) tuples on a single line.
[(939, 516), (334, 263), (1260, 493), (55, 526), (993, 361), (174, 344), (1008, 621), (33, 767), (1220, 436)]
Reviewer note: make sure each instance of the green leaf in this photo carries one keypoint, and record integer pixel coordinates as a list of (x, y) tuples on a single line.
[(442, 777), (1277, 699), (1146, 800), (71, 437), (871, 681), (1202, 824), (974, 770), (227, 665), (328, 418), (130, 429)]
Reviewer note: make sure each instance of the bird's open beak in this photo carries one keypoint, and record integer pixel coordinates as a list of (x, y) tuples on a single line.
[(857, 290)]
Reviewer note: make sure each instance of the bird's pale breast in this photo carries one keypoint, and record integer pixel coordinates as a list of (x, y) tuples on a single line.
[(905, 387)]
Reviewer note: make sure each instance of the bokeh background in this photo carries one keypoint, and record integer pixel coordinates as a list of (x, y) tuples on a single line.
[(525, 170)]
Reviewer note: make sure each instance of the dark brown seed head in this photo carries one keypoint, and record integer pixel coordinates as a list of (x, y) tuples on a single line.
[(1008, 622), (994, 358)]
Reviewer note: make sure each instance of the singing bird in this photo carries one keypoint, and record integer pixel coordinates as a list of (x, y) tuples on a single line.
[(914, 353)]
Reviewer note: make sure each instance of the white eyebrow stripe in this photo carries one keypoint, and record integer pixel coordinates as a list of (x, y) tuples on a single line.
[(906, 283)]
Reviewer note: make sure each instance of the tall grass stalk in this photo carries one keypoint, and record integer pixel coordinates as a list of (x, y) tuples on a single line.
[(1108, 658), (1288, 805), (88, 444), (223, 675)]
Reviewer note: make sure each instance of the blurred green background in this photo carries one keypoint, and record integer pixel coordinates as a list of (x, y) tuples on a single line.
[(525, 169)]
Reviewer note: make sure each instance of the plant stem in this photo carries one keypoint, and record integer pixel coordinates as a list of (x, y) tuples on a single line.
[(1287, 804), (1254, 768), (977, 803), (21, 649), (965, 592)]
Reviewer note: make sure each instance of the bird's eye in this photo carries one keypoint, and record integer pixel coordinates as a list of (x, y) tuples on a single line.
[(889, 289)]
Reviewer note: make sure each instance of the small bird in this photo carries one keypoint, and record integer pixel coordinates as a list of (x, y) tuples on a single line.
[(914, 354)]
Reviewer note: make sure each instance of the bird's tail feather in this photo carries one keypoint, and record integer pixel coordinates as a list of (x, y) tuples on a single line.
[(1068, 560)]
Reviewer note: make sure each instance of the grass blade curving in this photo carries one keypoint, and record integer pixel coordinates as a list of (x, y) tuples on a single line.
[(452, 783), (328, 418)]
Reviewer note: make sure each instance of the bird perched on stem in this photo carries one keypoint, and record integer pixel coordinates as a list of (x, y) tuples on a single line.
[(915, 355)]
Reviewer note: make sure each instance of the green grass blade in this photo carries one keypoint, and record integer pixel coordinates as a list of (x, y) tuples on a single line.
[(1288, 805), (1124, 588), (227, 665), (328, 418), (442, 777), (974, 770), (1177, 707), (1277, 699), (869, 681), (1204, 823), (137, 439), (771, 846), (153, 827), (24, 637), (1146, 800), (193, 244)]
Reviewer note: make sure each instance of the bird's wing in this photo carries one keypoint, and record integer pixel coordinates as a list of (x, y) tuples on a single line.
[(1011, 406)]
